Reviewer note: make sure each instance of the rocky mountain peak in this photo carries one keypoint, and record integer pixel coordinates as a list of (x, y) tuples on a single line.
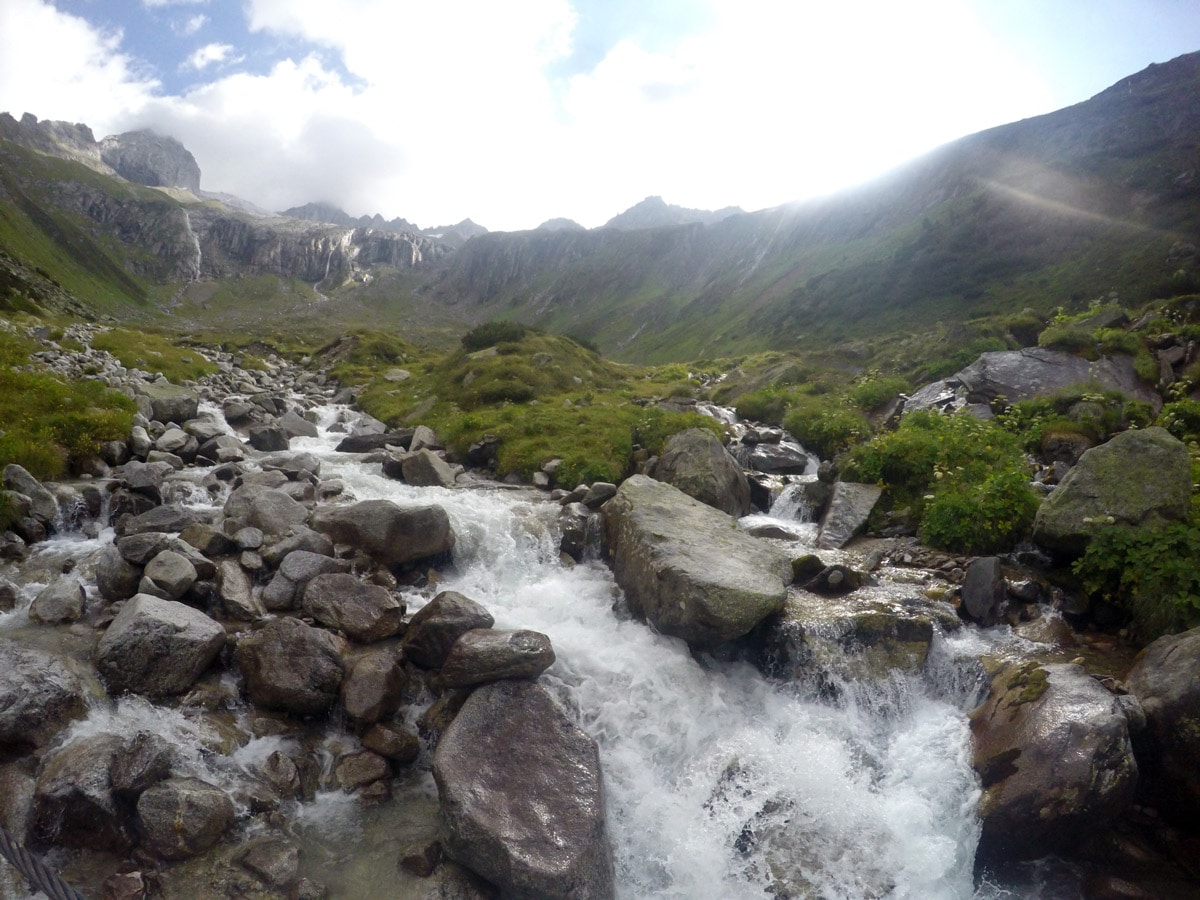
[(560, 224), (145, 157), (654, 212), (66, 140)]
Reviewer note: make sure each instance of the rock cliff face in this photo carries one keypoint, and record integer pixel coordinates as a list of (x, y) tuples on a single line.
[(63, 139), (144, 157)]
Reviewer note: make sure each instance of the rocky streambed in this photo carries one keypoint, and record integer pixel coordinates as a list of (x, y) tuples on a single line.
[(238, 661)]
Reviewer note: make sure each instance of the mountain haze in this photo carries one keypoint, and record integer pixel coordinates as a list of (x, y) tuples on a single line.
[(1100, 198)]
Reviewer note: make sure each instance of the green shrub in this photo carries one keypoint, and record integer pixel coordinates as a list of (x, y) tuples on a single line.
[(1182, 419), (826, 425), (1151, 572), (965, 479), (871, 391), (767, 405), (152, 352), (493, 332)]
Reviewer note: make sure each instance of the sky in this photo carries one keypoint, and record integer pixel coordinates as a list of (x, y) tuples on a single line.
[(511, 113)]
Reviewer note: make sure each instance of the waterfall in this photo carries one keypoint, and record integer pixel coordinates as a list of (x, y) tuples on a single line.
[(187, 222), (792, 503)]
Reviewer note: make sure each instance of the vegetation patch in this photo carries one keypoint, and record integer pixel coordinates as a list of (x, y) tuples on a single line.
[(154, 352), (48, 425)]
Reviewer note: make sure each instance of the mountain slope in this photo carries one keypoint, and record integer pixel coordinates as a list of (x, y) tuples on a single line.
[(1045, 212)]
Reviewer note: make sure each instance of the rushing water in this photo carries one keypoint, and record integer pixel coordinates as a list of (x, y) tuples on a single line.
[(720, 783)]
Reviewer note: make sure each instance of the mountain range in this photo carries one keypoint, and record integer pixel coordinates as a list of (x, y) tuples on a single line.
[(1095, 200)]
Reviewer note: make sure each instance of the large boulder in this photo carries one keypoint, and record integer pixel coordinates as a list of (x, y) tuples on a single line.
[(73, 804), (1017, 375), (686, 568), (43, 506), (423, 468), (364, 612), (39, 695), (438, 624), (270, 510), (1139, 477), (157, 647), (181, 817), (696, 462), (1166, 679), (292, 667), (393, 535), (522, 797), (1053, 753), (483, 655), (849, 507), (372, 689), (59, 602), (167, 402)]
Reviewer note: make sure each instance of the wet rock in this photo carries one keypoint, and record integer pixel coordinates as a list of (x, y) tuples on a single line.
[(290, 666), (776, 458), (168, 402), (424, 468), (686, 569), (832, 580), (438, 624), (482, 655), (157, 647), (181, 817), (281, 593), (401, 747), (268, 509), (357, 770), (145, 478), (172, 573), (373, 687), (573, 524), (224, 448), (172, 519), (364, 612), (1053, 754), (366, 443), (302, 566), (299, 538), (521, 795), (145, 762), (208, 540), (236, 591), (39, 695), (849, 508), (43, 506), (73, 804), (1140, 477), (58, 603), (267, 438), (423, 438), (139, 549), (984, 591), (276, 862), (1164, 679), (696, 462), (297, 426), (9, 595), (391, 534), (818, 638), (598, 494)]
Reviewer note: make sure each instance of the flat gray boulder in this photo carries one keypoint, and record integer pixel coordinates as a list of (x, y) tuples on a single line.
[(364, 612), (157, 647), (484, 654), (168, 402), (292, 667), (849, 507), (270, 510), (1139, 477), (391, 534), (686, 568), (696, 462), (435, 627), (1036, 371), (522, 797), (39, 695)]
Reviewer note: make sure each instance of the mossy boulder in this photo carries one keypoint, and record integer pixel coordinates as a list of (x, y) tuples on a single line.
[(1053, 753), (696, 462), (1137, 478), (686, 568)]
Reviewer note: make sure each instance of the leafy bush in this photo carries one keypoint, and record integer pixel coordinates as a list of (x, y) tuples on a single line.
[(826, 426), (871, 391), (1182, 419), (491, 333), (1151, 572), (964, 478), (768, 405)]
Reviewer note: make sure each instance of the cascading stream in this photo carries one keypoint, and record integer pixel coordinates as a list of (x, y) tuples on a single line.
[(719, 782)]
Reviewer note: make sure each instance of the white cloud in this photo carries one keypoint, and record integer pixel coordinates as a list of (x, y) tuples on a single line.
[(57, 66), (159, 4), (191, 26), (210, 54)]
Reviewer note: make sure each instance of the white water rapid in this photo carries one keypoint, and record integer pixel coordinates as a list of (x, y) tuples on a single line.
[(720, 782)]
